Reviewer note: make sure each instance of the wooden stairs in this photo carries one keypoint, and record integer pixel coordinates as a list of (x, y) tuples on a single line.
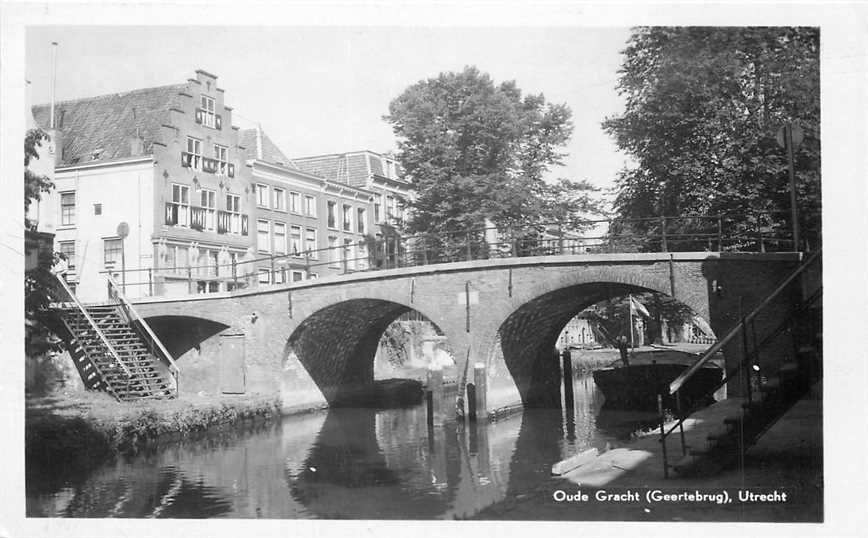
[(114, 350)]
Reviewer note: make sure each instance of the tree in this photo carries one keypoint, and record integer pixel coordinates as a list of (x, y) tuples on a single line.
[(475, 151), (612, 314), (703, 106), (38, 280), (34, 184)]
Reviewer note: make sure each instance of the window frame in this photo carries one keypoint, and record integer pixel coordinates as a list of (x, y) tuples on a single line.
[(278, 199), (275, 241), (331, 214), (183, 207), (117, 251), (209, 111), (310, 208), (70, 259), (67, 218), (268, 236), (259, 197)]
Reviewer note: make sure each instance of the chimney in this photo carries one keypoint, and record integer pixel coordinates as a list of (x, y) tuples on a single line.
[(259, 141)]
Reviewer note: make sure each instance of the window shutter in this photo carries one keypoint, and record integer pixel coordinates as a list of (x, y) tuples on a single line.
[(185, 160), (243, 224), (231, 170), (218, 121), (198, 115)]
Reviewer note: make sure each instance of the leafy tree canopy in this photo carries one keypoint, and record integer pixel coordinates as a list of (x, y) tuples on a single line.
[(703, 106), (39, 279), (477, 150)]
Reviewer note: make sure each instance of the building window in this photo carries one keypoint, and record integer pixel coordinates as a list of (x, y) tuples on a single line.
[(310, 205), (297, 276), (279, 238), (295, 240), (279, 199), (233, 207), (362, 217), (67, 248), (378, 213), (112, 252), (67, 208), (334, 253), (180, 214), (209, 202), (263, 241), (261, 195), (194, 150), (221, 155), (294, 202), (208, 119), (97, 209), (347, 218), (312, 276), (264, 276), (390, 207), (280, 275), (330, 221), (310, 241)]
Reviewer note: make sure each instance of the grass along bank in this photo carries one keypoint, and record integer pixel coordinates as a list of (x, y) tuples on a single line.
[(76, 431)]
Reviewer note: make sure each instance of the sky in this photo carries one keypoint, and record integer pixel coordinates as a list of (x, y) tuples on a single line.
[(322, 90)]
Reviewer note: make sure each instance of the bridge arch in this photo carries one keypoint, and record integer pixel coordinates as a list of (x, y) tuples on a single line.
[(529, 333), (336, 344)]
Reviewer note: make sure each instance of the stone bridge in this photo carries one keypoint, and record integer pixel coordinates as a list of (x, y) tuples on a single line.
[(310, 340)]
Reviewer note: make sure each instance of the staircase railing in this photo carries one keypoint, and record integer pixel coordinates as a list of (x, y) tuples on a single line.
[(93, 324), (156, 346), (740, 328)]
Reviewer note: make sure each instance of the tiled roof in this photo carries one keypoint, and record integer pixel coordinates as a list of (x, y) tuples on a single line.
[(106, 122), (331, 167), (270, 152)]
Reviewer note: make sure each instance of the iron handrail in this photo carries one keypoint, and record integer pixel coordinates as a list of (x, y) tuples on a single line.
[(746, 360), (93, 324), (144, 324), (741, 325)]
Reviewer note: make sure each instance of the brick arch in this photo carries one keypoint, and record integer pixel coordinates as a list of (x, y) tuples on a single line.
[(529, 333), (336, 344)]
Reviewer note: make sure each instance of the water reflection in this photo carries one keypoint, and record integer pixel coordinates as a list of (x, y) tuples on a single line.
[(344, 463)]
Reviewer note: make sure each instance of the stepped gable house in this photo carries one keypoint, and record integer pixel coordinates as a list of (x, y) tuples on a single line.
[(164, 160), (208, 207)]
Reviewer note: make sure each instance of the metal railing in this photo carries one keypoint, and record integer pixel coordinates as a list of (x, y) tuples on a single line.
[(721, 233), (745, 325), (136, 321)]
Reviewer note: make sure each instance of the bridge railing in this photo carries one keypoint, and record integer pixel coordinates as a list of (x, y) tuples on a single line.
[(733, 232)]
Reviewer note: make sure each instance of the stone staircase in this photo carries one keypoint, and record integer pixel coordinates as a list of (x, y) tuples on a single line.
[(769, 399)]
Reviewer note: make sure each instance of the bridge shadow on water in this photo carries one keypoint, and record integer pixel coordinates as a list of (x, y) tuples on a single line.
[(343, 463)]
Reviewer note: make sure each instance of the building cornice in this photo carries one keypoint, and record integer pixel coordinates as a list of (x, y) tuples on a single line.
[(103, 164)]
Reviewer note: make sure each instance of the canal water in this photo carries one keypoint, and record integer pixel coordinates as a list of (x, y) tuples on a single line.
[(340, 463)]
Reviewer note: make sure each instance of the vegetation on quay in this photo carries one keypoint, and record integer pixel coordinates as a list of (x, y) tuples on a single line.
[(86, 428)]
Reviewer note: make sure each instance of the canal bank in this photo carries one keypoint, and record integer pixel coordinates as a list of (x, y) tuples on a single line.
[(81, 430), (627, 483)]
